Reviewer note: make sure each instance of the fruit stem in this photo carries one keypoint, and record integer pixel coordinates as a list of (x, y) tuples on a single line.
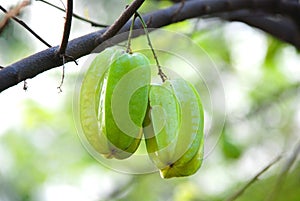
[(162, 75), (128, 50)]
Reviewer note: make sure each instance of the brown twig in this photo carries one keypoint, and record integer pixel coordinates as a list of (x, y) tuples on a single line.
[(240, 192), (12, 14), (123, 18), (67, 28), (65, 39), (15, 11), (95, 24)]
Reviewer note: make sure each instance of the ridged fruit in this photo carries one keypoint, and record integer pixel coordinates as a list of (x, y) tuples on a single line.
[(123, 104), (90, 96), (174, 138), (113, 102)]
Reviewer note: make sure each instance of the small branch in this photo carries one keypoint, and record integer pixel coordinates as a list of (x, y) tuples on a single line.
[(26, 27), (240, 192), (123, 18), (287, 166), (12, 13), (65, 39), (67, 28), (95, 24)]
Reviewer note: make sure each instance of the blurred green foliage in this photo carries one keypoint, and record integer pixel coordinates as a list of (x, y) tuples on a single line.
[(230, 148), (43, 156)]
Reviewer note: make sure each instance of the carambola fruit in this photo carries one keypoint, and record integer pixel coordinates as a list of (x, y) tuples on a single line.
[(118, 105), (113, 102), (174, 138)]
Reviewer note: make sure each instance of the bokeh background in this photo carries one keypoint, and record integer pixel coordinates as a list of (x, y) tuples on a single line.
[(41, 155)]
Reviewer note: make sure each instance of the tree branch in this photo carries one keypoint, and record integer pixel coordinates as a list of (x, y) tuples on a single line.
[(281, 27), (35, 64)]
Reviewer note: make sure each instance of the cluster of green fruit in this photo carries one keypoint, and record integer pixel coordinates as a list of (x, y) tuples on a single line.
[(119, 106)]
